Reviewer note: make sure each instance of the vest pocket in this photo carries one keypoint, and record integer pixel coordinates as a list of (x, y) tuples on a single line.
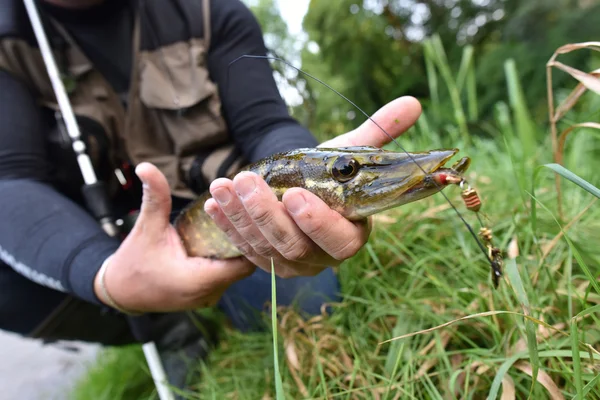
[(174, 77), (174, 84), (183, 109)]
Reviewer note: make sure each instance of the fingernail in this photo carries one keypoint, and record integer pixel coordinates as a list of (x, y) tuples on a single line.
[(209, 208), (144, 183), (222, 196), (296, 203), (245, 187)]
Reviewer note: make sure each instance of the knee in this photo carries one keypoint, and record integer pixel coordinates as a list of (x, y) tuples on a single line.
[(309, 294), (244, 300)]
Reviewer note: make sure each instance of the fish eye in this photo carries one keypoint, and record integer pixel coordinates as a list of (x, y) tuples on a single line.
[(345, 168)]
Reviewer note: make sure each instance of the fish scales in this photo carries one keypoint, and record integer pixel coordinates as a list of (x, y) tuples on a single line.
[(355, 181)]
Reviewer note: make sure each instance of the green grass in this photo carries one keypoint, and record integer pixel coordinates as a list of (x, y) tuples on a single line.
[(420, 270)]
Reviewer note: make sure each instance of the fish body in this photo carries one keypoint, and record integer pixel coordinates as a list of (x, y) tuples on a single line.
[(354, 181)]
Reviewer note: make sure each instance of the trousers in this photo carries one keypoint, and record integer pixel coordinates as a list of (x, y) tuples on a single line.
[(26, 305)]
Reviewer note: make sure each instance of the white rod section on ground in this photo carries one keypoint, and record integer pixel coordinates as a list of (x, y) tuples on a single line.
[(157, 371)]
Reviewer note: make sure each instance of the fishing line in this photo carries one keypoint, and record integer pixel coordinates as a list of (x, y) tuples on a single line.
[(481, 246)]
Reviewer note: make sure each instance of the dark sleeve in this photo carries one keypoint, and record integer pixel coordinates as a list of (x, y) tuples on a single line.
[(43, 235), (256, 114)]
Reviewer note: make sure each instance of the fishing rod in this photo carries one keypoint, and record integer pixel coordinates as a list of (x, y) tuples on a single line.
[(94, 191)]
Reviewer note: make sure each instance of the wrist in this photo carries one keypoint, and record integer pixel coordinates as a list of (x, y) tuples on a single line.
[(102, 291)]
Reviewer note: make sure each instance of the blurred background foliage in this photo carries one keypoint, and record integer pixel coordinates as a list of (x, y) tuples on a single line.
[(372, 51)]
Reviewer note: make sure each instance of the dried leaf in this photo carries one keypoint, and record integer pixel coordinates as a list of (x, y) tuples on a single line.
[(455, 361), (513, 248), (591, 297), (301, 387), (567, 48), (588, 80), (546, 333), (548, 248), (563, 136), (445, 338), (384, 219), (568, 103), (430, 363), (482, 369), (292, 355), (435, 328), (372, 274), (543, 378), (543, 333), (508, 388), (434, 211), (485, 180)]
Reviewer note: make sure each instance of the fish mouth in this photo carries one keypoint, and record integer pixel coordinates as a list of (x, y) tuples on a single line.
[(410, 171), (439, 177), (420, 175), (394, 180)]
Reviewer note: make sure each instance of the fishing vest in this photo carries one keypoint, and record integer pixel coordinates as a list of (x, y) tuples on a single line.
[(173, 117)]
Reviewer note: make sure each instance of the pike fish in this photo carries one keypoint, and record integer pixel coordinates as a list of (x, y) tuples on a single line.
[(355, 181)]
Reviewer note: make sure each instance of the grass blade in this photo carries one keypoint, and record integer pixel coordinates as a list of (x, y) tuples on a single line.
[(512, 273), (587, 311), (439, 56), (525, 127), (591, 384), (497, 382), (472, 105), (432, 80), (278, 381), (576, 361), (565, 173), (576, 254), (465, 67)]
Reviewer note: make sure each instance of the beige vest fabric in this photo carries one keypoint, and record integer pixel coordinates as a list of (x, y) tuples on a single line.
[(174, 109)]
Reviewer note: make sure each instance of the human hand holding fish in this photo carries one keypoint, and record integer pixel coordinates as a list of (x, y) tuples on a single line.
[(155, 270), (301, 233)]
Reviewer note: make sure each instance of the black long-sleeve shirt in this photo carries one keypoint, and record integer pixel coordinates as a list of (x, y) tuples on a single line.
[(52, 240)]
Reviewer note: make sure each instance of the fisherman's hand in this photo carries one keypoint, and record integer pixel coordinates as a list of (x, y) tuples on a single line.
[(151, 272), (301, 233)]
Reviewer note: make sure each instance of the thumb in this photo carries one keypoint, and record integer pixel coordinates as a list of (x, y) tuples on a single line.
[(156, 201), (396, 117)]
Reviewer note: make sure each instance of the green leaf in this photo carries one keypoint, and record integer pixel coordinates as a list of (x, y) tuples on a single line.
[(278, 381), (590, 385), (497, 382), (576, 361), (565, 173), (512, 273)]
